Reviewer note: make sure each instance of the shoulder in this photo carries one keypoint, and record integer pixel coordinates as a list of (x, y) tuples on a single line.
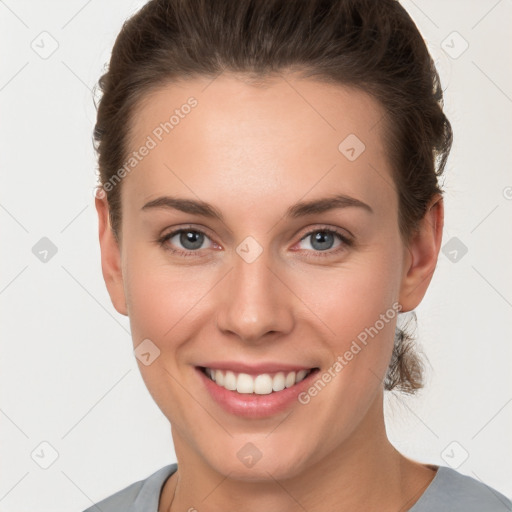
[(139, 496), (454, 492)]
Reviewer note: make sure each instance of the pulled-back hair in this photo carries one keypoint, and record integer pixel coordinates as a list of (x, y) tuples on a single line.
[(372, 45)]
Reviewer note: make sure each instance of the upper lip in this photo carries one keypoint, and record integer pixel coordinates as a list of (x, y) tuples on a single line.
[(254, 369)]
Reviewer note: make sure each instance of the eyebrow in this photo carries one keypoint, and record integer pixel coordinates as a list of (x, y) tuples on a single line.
[(297, 210)]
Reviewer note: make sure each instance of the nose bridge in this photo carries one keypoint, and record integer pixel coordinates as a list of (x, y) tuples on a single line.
[(255, 299)]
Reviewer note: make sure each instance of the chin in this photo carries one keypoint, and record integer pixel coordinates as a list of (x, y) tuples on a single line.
[(252, 465)]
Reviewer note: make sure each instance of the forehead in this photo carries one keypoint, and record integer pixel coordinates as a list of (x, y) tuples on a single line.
[(285, 135)]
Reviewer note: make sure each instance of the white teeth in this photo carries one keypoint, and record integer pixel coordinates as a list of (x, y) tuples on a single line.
[(219, 377), (300, 375), (244, 383), (263, 384), (230, 381), (290, 380), (278, 382)]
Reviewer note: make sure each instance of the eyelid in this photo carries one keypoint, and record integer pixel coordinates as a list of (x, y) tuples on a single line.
[(188, 227), (163, 239), (332, 229)]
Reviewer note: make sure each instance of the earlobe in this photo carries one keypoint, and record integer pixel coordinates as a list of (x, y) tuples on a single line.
[(110, 258), (422, 254)]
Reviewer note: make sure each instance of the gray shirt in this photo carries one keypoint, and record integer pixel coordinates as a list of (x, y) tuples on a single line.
[(449, 491)]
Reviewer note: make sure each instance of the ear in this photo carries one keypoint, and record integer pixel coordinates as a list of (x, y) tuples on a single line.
[(421, 255), (110, 257)]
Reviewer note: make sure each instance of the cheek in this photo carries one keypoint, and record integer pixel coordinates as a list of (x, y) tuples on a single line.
[(352, 297), (357, 305), (161, 298), (163, 304)]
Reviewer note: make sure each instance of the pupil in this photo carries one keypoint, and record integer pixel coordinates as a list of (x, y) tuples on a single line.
[(191, 240), (322, 237)]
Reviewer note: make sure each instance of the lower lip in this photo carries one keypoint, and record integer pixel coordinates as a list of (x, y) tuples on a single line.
[(251, 405)]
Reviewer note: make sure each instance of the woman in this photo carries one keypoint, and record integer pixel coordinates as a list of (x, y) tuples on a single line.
[(269, 204)]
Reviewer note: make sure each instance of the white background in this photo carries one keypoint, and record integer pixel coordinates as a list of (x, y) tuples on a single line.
[(68, 374)]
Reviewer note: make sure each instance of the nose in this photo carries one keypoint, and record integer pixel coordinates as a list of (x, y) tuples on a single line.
[(256, 304)]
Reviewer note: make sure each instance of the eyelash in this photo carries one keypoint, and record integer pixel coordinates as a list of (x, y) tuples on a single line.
[(346, 242)]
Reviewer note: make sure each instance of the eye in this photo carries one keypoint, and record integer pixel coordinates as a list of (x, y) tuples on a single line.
[(191, 241), (323, 240)]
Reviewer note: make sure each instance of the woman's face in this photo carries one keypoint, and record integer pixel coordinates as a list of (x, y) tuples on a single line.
[(261, 281)]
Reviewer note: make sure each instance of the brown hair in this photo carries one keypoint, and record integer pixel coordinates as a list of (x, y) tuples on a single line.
[(369, 44)]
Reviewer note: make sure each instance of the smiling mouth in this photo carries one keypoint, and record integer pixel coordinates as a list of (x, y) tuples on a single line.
[(262, 384)]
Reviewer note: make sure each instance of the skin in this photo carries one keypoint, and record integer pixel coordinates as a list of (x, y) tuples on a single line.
[(252, 151)]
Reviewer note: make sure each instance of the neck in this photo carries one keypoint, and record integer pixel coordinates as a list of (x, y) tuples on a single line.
[(365, 472)]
